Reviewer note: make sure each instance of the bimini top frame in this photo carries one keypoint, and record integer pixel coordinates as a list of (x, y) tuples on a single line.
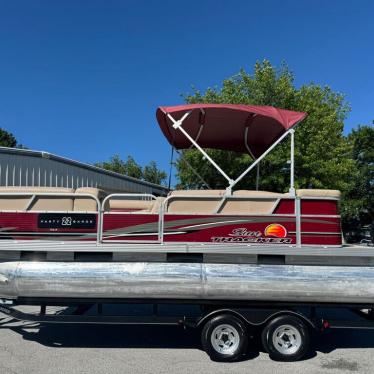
[(255, 130)]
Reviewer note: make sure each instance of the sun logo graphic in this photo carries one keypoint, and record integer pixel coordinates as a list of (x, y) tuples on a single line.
[(275, 230)]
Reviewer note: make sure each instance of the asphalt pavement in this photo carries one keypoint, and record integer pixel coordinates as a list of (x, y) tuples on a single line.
[(103, 349)]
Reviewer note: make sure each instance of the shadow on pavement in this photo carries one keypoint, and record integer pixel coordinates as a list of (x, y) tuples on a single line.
[(344, 338), (110, 336), (159, 336)]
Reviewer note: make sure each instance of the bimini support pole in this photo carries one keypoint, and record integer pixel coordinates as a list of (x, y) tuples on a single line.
[(292, 163), (177, 124), (245, 172)]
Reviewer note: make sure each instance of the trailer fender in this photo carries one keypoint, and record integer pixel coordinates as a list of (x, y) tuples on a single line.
[(309, 322), (262, 316)]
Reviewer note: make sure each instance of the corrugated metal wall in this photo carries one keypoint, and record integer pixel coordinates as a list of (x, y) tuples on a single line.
[(32, 168)]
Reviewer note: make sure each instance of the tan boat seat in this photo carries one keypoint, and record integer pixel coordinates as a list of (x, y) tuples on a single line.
[(39, 203), (197, 193), (157, 205), (251, 202), (127, 205), (208, 201), (190, 201), (258, 194), (333, 194), (87, 204)]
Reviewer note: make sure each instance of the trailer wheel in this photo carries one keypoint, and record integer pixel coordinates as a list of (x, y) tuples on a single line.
[(224, 338), (286, 338)]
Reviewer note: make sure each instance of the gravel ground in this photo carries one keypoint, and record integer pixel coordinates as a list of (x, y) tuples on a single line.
[(29, 349)]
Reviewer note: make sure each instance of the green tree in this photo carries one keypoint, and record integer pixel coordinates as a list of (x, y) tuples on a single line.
[(152, 174), (127, 167), (7, 139), (131, 168), (321, 153), (358, 205)]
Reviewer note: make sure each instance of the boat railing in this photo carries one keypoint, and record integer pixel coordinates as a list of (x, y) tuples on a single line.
[(221, 202), (161, 210), (33, 196), (124, 196)]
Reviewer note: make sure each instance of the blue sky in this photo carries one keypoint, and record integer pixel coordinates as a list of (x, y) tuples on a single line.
[(82, 79)]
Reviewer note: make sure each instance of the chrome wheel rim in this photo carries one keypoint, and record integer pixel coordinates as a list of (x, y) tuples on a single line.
[(225, 339), (287, 339)]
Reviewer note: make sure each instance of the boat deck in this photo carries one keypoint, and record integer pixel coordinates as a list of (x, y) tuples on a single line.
[(347, 255)]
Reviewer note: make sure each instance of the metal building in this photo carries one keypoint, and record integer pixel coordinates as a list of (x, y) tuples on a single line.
[(24, 167)]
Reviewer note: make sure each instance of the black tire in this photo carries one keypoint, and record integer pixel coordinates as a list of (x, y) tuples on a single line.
[(286, 338), (224, 338)]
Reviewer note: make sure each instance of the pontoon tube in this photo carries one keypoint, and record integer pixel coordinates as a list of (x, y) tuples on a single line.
[(291, 283)]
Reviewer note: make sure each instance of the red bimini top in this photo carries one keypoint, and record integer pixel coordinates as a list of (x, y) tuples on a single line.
[(240, 128)]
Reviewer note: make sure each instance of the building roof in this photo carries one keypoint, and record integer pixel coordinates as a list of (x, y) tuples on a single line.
[(112, 179)]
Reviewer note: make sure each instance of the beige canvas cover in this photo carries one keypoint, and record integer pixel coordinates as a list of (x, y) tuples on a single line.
[(86, 203), (334, 194), (179, 202), (41, 203)]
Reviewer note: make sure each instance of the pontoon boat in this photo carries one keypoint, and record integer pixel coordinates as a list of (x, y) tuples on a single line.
[(198, 244)]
